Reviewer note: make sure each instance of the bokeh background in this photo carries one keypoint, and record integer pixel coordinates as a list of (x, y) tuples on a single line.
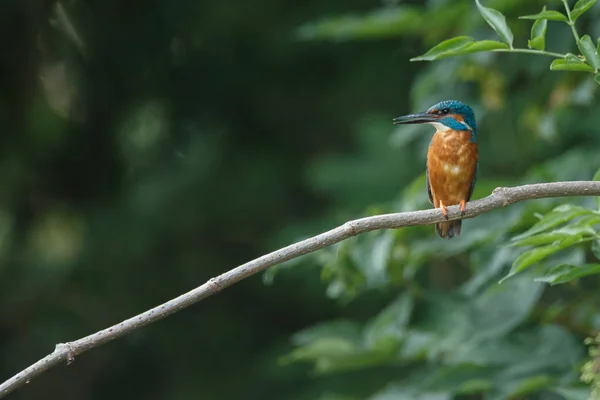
[(148, 146)]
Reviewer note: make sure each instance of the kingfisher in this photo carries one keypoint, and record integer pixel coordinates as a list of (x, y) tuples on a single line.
[(452, 163)]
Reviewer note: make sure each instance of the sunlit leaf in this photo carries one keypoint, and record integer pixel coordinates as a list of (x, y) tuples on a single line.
[(570, 65), (497, 21), (549, 15), (559, 215), (538, 34), (587, 48), (580, 7), (484, 45), (565, 272), (459, 46), (445, 48)]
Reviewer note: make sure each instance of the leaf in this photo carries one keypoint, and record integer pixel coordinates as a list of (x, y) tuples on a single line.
[(596, 249), (532, 256), (580, 7), (549, 15), (497, 21), (582, 228), (570, 65), (532, 384), (484, 45), (538, 34), (391, 322), (574, 393), (401, 392), (587, 48), (565, 273), (347, 330), (500, 308), (458, 46), (444, 48), (597, 78), (381, 23), (557, 216)]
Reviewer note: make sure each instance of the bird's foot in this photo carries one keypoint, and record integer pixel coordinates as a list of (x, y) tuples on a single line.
[(463, 207), (444, 211)]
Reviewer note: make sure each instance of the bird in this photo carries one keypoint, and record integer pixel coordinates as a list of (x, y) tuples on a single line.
[(452, 158)]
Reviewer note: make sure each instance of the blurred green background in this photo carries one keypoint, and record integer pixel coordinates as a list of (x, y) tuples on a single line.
[(149, 145)]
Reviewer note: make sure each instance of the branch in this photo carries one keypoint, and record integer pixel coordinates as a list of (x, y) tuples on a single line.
[(500, 197)]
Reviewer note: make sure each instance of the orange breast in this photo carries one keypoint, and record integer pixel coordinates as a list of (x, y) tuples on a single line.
[(451, 164)]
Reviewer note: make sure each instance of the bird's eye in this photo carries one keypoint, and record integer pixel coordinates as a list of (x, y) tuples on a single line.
[(444, 111)]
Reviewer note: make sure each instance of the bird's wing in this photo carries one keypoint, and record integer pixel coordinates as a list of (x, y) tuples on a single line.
[(472, 181), (429, 186)]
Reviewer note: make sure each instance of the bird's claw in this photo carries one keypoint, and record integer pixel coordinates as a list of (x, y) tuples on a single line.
[(444, 210), (463, 207)]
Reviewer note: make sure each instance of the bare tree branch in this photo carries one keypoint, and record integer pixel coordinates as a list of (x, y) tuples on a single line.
[(500, 197)]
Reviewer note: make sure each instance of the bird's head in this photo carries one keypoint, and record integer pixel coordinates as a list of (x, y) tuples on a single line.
[(447, 114)]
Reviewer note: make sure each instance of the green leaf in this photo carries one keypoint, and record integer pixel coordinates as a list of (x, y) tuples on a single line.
[(443, 49), (391, 322), (538, 34), (401, 392), (549, 15), (531, 384), (596, 249), (587, 48), (459, 46), (574, 393), (532, 256), (565, 273), (597, 78), (582, 228), (381, 23), (580, 7), (570, 65), (484, 45), (557, 216), (497, 21)]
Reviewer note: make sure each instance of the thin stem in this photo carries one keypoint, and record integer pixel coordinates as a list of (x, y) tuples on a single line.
[(532, 51), (571, 22)]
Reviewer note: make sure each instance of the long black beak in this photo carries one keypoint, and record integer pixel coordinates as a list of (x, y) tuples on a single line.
[(418, 118)]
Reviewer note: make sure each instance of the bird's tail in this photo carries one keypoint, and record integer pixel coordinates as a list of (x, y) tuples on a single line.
[(448, 229)]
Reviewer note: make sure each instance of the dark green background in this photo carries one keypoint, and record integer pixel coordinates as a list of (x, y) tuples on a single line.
[(164, 143)]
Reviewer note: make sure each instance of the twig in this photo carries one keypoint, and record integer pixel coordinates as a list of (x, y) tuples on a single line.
[(500, 197)]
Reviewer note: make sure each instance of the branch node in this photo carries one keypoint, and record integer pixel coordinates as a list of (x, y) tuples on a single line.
[(215, 285), (350, 229), (500, 192), (66, 347)]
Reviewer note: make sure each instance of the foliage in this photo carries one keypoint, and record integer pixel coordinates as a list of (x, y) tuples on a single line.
[(478, 316), (587, 61)]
